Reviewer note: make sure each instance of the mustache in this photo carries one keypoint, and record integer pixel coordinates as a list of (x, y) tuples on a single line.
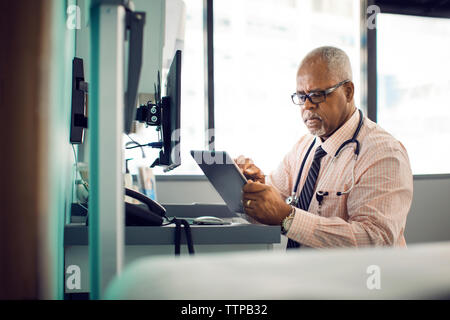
[(308, 115)]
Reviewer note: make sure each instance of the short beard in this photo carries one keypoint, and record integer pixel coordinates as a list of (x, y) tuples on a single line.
[(319, 132)]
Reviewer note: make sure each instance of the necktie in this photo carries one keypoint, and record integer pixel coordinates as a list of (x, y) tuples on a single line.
[(308, 189)]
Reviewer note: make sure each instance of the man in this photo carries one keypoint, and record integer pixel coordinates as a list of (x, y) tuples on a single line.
[(340, 202)]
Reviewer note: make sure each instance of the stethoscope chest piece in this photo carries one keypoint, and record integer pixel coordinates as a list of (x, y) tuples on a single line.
[(320, 195), (291, 200)]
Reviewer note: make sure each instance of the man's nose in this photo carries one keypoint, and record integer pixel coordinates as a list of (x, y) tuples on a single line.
[(308, 105)]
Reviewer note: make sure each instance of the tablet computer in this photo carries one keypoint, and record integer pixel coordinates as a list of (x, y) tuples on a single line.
[(224, 175)]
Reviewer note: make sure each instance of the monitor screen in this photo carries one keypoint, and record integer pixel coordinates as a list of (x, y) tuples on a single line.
[(170, 116), (79, 90), (135, 25)]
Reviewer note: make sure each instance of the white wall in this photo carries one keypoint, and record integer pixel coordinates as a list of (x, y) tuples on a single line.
[(153, 42), (428, 219), (186, 191)]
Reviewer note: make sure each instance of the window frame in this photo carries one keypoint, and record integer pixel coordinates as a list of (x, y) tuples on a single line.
[(417, 8), (208, 38), (428, 8)]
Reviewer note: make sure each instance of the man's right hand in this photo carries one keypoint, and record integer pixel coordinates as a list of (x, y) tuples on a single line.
[(249, 170)]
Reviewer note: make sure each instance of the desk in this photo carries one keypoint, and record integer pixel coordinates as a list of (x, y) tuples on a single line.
[(153, 241)]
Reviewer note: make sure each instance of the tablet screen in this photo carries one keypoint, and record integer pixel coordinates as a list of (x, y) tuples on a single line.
[(224, 175)]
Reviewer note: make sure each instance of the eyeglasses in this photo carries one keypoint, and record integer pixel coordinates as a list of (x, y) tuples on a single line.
[(315, 97)]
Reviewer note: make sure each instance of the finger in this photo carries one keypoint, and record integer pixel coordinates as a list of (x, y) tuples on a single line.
[(246, 167), (261, 180), (251, 196), (248, 203), (241, 160), (252, 170), (250, 211), (252, 187), (238, 161), (243, 165), (254, 178)]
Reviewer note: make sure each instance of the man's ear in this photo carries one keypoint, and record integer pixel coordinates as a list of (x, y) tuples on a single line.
[(349, 89)]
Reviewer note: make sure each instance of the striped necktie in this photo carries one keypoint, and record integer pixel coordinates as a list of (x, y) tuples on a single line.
[(308, 189)]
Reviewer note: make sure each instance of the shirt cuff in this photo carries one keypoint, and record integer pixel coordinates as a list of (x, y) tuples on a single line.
[(303, 227)]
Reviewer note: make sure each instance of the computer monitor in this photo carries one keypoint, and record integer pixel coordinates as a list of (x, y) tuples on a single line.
[(169, 156), (135, 25), (78, 120)]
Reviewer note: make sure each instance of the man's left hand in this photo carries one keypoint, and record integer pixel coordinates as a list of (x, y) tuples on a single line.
[(264, 203)]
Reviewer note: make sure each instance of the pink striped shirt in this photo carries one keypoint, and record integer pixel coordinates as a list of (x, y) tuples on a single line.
[(374, 212)]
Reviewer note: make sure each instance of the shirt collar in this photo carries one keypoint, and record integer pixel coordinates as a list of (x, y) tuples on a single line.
[(345, 132)]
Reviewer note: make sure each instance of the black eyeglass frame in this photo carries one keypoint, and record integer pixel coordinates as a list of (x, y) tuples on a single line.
[(318, 94)]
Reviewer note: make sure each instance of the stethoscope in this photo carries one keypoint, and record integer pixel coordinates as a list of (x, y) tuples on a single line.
[(293, 199)]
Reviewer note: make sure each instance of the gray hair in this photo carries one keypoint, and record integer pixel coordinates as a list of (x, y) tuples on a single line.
[(337, 61)]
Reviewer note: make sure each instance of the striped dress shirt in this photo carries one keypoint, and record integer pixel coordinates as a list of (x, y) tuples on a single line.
[(374, 212)]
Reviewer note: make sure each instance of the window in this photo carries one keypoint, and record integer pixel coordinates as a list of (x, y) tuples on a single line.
[(258, 46), (413, 97), (192, 92)]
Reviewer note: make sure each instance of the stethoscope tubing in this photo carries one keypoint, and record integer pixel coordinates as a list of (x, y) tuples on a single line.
[(342, 147)]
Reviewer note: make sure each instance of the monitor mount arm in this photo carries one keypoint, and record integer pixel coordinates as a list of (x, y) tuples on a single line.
[(156, 114)]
